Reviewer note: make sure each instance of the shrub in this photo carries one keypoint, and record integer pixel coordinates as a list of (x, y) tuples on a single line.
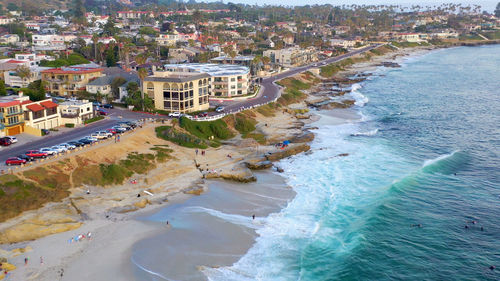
[(114, 174), (94, 119), (69, 125), (244, 124)]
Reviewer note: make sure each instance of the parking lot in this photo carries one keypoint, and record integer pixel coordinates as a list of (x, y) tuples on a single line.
[(28, 142)]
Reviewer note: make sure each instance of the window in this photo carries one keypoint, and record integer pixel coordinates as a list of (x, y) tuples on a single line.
[(88, 109), (233, 79)]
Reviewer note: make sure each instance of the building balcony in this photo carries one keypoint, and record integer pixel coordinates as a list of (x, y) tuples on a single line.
[(13, 113), (14, 123), (75, 115)]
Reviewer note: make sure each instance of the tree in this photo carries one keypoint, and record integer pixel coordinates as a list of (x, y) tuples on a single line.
[(23, 72), (142, 73), (497, 10), (110, 56), (79, 11), (3, 91), (115, 84), (35, 90), (109, 28)]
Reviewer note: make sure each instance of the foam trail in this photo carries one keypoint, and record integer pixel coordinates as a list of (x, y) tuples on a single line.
[(369, 133), (235, 219), (149, 271)]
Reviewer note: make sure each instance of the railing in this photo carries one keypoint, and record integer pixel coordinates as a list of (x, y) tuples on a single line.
[(14, 113), (13, 124)]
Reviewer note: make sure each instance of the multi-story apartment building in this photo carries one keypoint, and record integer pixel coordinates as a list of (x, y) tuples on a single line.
[(67, 81), (293, 56), (11, 116), (41, 114), (178, 92), (227, 80)]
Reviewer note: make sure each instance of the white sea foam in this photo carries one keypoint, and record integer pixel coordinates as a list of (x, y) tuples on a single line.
[(232, 218), (360, 99), (369, 133), (439, 158)]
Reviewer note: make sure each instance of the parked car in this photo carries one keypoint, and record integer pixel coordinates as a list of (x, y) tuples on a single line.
[(14, 161), (48, 150), (103, 112), (119, 129), (93, 139), (12, 139), (45, 132), (98, 136), (124, 126), (220, 109), (36, 154), (175, 114), (59, 149), (76, 143), (85, 141), (5, 141), (107, 134), (68, 146), (96, 103), (112, 131), (130, 123), (25, 157), (108, 105)]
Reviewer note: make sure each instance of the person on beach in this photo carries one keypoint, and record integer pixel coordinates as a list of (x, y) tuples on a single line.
[(118, 138), (167, 222), (196, 151), (25, 261), (41, 260), (253, 217)]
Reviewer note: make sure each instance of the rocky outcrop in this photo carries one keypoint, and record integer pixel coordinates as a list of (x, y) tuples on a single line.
[(304, 137), (59, 219), (239, 174), (290, 151), (262, 165)]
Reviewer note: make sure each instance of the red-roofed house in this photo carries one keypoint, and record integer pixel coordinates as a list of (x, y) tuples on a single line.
[(41, 115)]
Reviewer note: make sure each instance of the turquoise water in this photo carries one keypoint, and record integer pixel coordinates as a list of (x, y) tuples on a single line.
[(426, 152)]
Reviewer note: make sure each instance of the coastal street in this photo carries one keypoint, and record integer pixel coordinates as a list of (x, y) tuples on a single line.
[(271, 91), (116, 115)]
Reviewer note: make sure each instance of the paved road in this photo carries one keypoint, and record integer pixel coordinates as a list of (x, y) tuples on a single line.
[(271, 90), (115, 116)]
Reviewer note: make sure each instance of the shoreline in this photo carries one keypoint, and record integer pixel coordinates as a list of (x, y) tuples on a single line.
[(127, 222)]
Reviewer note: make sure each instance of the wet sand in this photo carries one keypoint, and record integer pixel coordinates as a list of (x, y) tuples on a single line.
[(213, 229)]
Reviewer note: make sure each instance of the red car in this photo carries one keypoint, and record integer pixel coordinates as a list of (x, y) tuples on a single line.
[(113, 131), (14, 161), (36, 154), (5, 142), (103, 112)]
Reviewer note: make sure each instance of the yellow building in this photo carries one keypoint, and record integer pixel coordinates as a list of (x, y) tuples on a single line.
[(178, 92), (11, 116), (67, 81)]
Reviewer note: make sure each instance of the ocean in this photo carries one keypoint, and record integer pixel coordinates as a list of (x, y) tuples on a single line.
[(416, 198)]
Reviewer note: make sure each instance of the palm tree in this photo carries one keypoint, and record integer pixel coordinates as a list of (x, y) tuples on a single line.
[(142, 73), (23, 72), (95, 39)]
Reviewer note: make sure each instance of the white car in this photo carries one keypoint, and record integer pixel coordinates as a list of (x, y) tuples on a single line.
[(68, 146), (98, 136), (119, 129), (219, 109), (59, 149), (12, 139), (92, 138), (49, 150), (175, 114), (107, 134)]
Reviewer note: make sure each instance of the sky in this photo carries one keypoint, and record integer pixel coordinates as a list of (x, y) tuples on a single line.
[(488, 5)]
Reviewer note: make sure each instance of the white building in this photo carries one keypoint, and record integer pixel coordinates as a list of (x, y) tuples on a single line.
[(227, 80), (6, 20), (9, 39), (75, 111), (12, 78)]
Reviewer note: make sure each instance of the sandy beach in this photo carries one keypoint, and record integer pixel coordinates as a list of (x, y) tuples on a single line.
[(130, 239)]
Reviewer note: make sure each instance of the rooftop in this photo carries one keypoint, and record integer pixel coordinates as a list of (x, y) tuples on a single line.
[(211, 69), (72, 70), (177, 78)]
